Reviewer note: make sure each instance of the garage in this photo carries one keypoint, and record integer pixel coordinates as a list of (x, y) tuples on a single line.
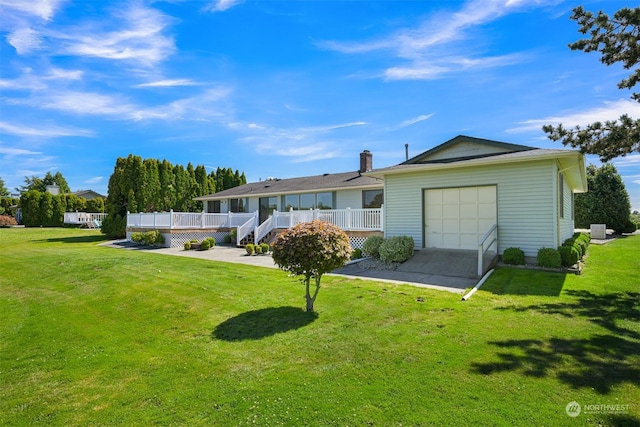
[(457, 218)]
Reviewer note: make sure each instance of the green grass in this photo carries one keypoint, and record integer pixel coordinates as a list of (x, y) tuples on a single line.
[(91, 335)]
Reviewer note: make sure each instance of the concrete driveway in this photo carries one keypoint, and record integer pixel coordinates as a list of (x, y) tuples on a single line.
[(411, 274)]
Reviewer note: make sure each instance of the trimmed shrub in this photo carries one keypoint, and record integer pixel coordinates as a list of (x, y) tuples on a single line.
[(137, 237), (258, 249), (371, 246), (549, 257), (227, 239), (569, 255), (6, 221), (187, 246), (265, 248), (212, 241), (152, 237), (205, 245), (356, 254), (396, 249), (513, 256), (250, 248)]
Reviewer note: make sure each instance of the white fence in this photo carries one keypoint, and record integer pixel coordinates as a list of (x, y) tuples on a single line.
[(83, 218), (187, 220), (347, 219)]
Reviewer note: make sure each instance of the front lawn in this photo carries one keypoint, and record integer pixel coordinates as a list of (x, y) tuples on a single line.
[(91, 335)]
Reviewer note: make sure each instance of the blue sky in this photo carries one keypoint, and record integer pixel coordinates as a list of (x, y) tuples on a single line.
[(288, 88)]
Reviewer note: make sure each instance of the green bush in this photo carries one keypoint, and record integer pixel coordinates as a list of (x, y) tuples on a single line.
[(371, 246), (628, 227), (205, 245), (513, 256), (549, 257), (212, 241), (569, 254), (396, 249), (356, 254), (137, 237), (227, 239), (152, 237), (250, 248), (187, 246), (258, 249), (265, 248)]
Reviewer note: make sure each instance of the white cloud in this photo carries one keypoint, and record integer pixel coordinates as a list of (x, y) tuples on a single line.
[(303, 144), (221, 5), (31, 81), (204, 106), (140, 38), (168, 83), (628, 161), (610, 111), (24, 40), (41, 8), (10, 151), (415, 120), (94, 180), (428, 50), (42, 131)]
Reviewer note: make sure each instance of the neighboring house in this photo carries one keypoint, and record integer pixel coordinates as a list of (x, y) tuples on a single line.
[(88, 194), (452, 195), (328, 191)]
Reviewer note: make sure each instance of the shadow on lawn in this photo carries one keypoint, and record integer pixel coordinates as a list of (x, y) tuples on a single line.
[(75, 239), (600, 361), (257, 324)]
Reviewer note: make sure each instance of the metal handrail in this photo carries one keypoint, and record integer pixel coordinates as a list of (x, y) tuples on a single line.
[(482, 249)]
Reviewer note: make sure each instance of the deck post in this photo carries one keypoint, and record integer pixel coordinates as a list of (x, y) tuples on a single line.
[(170, 219), (202, 219), (348, 224)]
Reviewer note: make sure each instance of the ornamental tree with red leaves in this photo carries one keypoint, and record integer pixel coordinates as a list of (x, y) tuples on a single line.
[(311, 249)]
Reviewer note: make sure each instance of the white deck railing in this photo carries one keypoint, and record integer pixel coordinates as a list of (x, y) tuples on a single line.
[(187, 220), (83, 218), (347, 219)]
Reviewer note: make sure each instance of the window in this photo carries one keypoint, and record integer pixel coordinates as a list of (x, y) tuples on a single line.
[(307, 201), (213, 206), (324, 200), (291, 201), (372, 198), (237, 205)]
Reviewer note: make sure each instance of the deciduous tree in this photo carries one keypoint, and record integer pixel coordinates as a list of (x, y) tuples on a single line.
[(310, 250)]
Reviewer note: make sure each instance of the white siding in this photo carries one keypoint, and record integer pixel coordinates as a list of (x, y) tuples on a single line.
[(526, 203), (463, 149)]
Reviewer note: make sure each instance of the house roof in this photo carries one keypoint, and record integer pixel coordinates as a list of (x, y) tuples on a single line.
[(474, 148), (306, 184), (88, 194), (571, 162)]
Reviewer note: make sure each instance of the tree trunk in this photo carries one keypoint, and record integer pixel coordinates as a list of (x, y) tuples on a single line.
[(308, 295)]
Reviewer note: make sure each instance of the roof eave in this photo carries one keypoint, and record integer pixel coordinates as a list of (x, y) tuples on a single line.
[(473, 162), (282, 193)]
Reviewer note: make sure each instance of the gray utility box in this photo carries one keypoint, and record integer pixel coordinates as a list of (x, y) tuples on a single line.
[(599, 231)]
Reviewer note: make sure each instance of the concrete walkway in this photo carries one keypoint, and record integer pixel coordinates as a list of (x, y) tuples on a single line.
[(422, 270)]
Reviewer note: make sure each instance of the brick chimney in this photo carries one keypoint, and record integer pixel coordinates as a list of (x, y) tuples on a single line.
[(366, 161)]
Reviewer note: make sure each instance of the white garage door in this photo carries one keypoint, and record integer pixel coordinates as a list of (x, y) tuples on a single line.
[(457, 218)]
